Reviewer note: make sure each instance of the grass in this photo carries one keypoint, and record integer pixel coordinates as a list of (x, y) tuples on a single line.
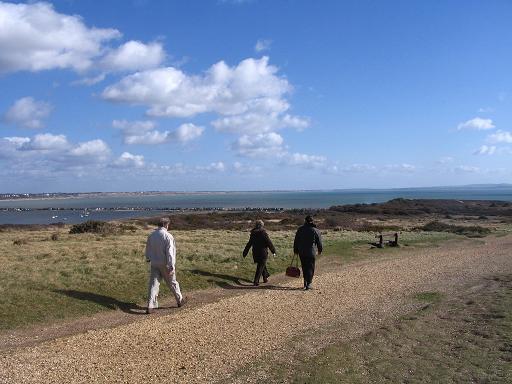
[(49, 274), (463, 338)]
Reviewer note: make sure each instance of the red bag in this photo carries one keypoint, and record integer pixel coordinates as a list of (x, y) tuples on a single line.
[(293, 270)]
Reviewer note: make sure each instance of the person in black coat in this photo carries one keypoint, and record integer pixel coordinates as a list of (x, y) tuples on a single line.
[(260, 243), (308, 241)]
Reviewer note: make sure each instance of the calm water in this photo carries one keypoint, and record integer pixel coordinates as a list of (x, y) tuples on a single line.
[(306, 199)]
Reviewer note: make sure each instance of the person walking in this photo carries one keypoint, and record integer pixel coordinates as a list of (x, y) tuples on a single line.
[(161, 253), (260, 243), (307, 243)]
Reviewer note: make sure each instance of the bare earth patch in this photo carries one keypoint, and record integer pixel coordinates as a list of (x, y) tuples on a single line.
[(215, 341)]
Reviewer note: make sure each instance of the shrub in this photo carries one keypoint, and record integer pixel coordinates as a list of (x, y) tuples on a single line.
[(92, 226), (469, 231), (20, 242), (54, 236)]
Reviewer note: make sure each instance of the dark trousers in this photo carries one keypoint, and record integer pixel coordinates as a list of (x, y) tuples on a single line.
[(261, 270), (308, 268)]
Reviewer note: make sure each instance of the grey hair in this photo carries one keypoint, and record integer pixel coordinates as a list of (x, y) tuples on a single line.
[(259, 224), (164, 222)]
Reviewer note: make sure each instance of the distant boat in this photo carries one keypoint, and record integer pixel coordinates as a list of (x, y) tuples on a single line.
[(54, 217)]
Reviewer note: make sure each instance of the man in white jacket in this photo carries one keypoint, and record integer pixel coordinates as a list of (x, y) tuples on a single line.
[(161, 252)]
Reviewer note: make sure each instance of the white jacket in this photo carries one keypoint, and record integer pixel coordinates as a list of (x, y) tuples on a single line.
[(161, 248)]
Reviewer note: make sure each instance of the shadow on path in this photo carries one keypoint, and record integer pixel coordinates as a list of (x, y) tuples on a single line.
[(233, 279), (105, 301), (233, 282)]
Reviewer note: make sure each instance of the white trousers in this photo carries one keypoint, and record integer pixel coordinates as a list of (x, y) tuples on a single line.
[(159, 272)]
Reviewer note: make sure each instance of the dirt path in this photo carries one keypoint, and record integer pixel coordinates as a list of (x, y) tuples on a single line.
[(209, 342)]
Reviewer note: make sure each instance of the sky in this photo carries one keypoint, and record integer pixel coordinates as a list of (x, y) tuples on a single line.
[(141, 95)]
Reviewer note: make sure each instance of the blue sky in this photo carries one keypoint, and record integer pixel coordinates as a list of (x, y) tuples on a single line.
[(254, 95)]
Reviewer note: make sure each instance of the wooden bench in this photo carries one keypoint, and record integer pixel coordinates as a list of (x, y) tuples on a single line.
[(392, 242)]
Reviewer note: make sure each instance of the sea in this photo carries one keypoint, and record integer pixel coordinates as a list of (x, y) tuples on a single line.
[(124, 206)]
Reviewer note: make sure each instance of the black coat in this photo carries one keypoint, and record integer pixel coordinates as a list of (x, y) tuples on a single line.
[(260, 243), (306, 238)]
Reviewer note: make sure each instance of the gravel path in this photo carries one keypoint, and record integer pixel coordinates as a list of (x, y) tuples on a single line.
[(207, 343)]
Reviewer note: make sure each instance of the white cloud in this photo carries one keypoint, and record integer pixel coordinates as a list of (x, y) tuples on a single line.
[(485, 150), (34, 37), (187, 132), (466, 169), (246, 169), (486, 110), (94, 148), (140, 132), (263, 45), (147, 138), (134, 56), (358, 168), (307, 161), (251, 85), (28, 113), (46, 142), (260, 145), (500, 137), (134, 127), (143, 132), (212, 167), (90, 80), (404, 167), (253, 123), (477, 123), (128, 160)]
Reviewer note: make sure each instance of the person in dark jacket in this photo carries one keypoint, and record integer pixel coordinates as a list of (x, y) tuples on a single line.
[(308, 242), (260, 243)]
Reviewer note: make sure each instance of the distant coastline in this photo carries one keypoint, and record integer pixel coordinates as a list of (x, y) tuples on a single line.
[(74, 195)]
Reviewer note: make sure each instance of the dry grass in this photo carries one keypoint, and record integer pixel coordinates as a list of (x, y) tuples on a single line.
[(50, 274)]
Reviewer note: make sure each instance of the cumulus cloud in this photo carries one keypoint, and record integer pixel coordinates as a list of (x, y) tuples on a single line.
[(500, 137), (356, 168), (260, 145), (46, 142), (95, 149), (34, 37), (262, 45), (187, 132), (212, 167), (140, 132), (128, 160), (404, 167), (251, 123), (303, 160), (249, 99), (143, 132), (485, 150), (134, 56), (251, 86), (466, 169), (28, 113), (241, 168), (477, 123)]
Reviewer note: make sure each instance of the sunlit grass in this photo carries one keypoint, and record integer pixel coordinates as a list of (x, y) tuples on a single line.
[(81, 274)]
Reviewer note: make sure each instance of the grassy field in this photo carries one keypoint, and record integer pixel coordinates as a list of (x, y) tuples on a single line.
[(49, 274), (462, 338)]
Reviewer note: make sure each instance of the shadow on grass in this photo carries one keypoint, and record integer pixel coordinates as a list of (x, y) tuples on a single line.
[(105, 301), (233, 282)]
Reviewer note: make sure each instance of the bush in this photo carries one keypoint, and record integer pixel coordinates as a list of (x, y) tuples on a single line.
[(20, 242), (469, 231), (92, 226), (54, 237)]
